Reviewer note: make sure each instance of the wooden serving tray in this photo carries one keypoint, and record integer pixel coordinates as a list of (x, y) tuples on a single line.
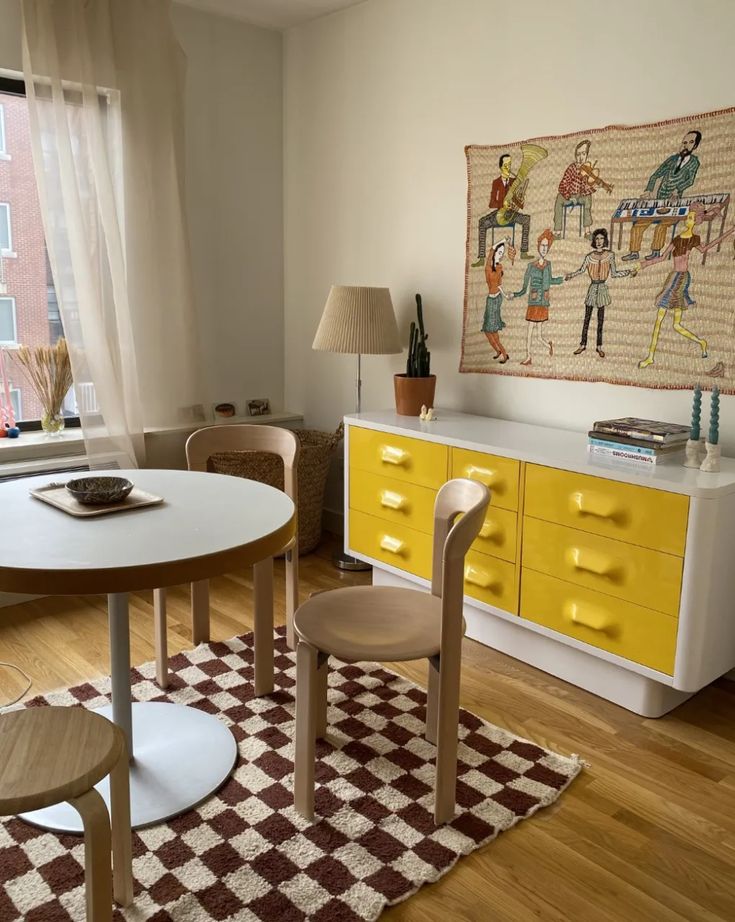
[(56, 494)]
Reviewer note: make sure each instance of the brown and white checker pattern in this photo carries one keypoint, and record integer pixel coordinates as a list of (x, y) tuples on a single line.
[(246, 854)]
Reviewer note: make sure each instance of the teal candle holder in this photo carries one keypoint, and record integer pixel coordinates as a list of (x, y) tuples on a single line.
[(714, 417), (696, 414)]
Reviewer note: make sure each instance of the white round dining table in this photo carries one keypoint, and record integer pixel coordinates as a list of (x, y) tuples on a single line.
[(207, 524)]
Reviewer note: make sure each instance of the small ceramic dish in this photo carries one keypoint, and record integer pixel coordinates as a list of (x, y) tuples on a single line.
[(99, 491)]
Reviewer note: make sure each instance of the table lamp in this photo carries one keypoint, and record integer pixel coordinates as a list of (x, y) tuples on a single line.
[(358, 321)]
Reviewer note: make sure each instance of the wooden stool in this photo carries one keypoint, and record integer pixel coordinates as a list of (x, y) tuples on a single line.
[(387, 624), (54, 754)]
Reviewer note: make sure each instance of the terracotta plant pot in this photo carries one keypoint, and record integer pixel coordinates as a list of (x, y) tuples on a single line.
[(412, 393)]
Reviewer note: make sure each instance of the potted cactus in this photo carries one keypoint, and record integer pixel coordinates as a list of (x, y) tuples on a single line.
[(416, 387)]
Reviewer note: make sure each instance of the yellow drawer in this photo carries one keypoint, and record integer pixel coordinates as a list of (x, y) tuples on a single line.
[(396, 456), (498, 534), (638, 515), (391, 543), (500, 474), (491, 581), (393, 500), (631, 631), (648, 578)]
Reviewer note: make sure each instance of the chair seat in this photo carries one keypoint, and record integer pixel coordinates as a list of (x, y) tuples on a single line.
[(378, 623), (53, 754)]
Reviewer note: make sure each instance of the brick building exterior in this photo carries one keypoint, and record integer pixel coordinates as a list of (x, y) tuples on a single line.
[(24, 266)]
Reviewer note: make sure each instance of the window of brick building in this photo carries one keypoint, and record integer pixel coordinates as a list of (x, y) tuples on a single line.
[(6, 235), (29, 310), (8, 327)]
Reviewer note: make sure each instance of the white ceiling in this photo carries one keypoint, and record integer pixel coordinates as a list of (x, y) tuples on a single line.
[(273, 14)]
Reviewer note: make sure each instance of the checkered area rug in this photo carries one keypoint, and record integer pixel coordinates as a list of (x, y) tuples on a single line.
[(245, 854)]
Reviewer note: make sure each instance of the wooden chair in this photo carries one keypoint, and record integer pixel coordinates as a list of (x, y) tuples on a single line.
[(387, 624), (200, 446), (54, 754)]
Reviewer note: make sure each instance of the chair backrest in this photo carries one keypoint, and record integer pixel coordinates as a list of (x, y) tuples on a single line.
[(459, 514), (204, 443)]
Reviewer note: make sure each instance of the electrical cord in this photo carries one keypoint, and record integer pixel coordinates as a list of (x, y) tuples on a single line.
[(25, 690)]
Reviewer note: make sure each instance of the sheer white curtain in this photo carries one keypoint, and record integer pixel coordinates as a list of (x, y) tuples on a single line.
[(104, 80)]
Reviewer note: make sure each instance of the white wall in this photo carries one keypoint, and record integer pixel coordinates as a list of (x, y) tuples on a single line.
[(234, 112), (234, 188), (380, 101)]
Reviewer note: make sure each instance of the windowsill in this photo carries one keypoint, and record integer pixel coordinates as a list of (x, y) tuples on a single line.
[(32, 445), (35, 450), (4, 156), (8, 254), (282, 416)]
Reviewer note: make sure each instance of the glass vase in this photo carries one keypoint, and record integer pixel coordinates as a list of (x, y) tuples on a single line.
[(52, 424)]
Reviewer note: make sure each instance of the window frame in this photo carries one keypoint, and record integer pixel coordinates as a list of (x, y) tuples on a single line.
[(14, 341)]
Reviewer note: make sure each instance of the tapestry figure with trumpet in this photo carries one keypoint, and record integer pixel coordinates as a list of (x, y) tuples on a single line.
[(605, 255)]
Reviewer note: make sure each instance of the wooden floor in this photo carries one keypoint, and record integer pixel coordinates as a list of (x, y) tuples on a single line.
[(646, 832)]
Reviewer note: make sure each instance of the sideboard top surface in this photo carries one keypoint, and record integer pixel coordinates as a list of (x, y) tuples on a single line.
[(559, 448)]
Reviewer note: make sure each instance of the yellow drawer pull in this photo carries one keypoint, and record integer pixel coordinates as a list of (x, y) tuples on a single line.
[(485, 474), (595, 504), (490, 529), (587, 617), (392, 500), (582, 558), (392, 545), (477, 577), (389, 454)]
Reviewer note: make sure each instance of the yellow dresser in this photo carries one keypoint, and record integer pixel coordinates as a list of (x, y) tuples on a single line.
[(582, 568)]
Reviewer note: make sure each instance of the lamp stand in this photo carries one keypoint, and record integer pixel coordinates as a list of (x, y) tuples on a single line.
[(341, 560)]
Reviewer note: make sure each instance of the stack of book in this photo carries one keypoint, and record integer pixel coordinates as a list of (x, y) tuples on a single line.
[(643, 440)]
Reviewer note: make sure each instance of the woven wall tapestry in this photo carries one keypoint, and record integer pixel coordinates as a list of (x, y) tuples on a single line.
[(604, 255)]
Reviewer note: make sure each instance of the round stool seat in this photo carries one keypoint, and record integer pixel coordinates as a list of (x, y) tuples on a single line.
[(378, 623), (53, 754)]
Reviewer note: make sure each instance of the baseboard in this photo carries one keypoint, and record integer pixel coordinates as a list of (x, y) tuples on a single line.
[(333, 520)]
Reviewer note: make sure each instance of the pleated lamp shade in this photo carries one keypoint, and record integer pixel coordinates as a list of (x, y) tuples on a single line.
[(358, 320)]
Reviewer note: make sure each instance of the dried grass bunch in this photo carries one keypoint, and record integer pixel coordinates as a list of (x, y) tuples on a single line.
[(49, 371)]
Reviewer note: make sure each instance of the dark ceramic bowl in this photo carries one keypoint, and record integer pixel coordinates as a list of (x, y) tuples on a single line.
[(98, 491)]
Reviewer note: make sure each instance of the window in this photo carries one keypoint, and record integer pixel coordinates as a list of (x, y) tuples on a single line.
[(8, 327), (6, 237), (29, 312)]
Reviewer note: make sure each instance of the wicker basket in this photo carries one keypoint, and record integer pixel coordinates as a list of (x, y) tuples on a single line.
[(315, 456)]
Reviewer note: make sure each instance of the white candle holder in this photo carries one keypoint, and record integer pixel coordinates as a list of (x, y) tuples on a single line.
[(711, 463), (692, 453)]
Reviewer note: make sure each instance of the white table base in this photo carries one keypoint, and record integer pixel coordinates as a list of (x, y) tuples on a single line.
[(182, 755)]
